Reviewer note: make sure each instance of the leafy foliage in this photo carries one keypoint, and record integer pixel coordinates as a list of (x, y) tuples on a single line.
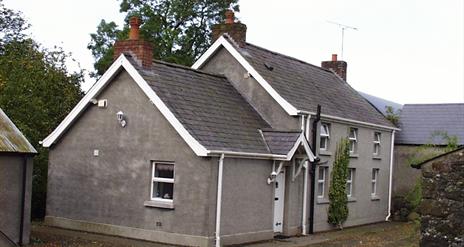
[(414, 196), (338, 208), (392, 115), (430, 150), (178, 29), (36, 92)]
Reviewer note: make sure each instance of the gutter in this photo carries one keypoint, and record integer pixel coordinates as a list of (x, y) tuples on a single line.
[(346, 120), (391, 176), (219, 201), (248, 155)]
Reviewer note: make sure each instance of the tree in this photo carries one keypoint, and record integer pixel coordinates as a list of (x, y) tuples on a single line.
[(392, 115), (178, 29), (36, 92), (338, 202)]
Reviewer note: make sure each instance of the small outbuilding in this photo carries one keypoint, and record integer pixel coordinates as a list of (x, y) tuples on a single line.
[(16, 155)]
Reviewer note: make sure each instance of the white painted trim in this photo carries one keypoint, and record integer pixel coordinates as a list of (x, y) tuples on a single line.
[(248, 155), (120, 63), (301, 141), (391, 176), (291, 110), (346, 120)]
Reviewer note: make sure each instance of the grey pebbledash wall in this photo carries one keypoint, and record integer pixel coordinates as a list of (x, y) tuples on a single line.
[(442, 206)]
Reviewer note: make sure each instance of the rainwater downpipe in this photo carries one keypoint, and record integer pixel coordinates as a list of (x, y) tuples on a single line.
[(219, 201), (305, 183), (313, 168), (391, 176)]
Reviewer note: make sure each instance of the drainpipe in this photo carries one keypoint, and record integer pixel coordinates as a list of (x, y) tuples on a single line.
[(391, 176), (219, 201), (305, 183), (313, 168), (23, 202)]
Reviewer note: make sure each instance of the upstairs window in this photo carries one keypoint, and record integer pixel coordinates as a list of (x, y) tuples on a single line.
[(321, 181), (375, 177), (377, 137), (325, 135), (353, 139), (350, 182), (162, 186)]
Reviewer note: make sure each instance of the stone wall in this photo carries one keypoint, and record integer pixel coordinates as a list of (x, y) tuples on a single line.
[(442, 206)]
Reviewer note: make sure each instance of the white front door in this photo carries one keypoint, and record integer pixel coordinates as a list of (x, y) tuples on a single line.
[(279, 201)]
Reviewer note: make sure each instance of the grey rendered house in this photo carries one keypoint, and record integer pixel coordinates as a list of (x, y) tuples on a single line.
[(214, 154), (16, 155)]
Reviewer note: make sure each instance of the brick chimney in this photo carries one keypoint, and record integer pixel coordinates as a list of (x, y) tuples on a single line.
[(141, 50), (236, 30), (337, 66)]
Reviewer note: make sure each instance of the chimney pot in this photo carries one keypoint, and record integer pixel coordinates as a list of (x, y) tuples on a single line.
[(229, 16), (134, 23), (334, 57)]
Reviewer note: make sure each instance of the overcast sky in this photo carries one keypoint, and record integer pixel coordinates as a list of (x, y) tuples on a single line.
[(408, 51)]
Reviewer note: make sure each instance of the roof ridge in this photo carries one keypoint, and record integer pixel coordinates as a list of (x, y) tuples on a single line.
[(289, 57), (187, 68), (178, 66)]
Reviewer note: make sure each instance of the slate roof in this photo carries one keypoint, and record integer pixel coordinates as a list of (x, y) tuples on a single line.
[(11, 139), (280, 142), (419, 121), (208, 106), (381, 104), (305, 86)]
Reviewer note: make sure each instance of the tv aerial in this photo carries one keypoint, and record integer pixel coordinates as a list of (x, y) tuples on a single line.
[(343, 27)]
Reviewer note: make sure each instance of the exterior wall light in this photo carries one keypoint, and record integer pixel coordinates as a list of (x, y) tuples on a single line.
[(121, 118)]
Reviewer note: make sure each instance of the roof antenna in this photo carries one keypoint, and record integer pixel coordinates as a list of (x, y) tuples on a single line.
[(343, 27)]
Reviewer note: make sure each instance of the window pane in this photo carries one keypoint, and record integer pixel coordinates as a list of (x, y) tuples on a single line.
[(352, 144), (163, 190), (320, 189), (323, 142), (324, 130), (350, 174), (373, 188), (348, 189), (321, 173), (164, 170), (373, 174), (377, 137), (352, 133)]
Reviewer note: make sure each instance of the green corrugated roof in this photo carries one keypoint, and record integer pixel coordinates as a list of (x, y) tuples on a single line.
[(11, 139)]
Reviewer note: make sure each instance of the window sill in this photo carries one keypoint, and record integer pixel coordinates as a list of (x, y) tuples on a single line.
[(322, 201), (159, 204), (376, 158), (354, 155), (351, 199), (375, 198), (325, 153)]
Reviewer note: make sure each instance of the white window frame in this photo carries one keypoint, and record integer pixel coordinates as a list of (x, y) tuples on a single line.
[(322, 181), (375, 178), (377, 143), (353, 140), (350, 181), (162, 180), (324, 136)]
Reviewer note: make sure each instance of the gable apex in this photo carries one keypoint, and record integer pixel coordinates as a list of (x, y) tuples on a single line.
[(122, 63)]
